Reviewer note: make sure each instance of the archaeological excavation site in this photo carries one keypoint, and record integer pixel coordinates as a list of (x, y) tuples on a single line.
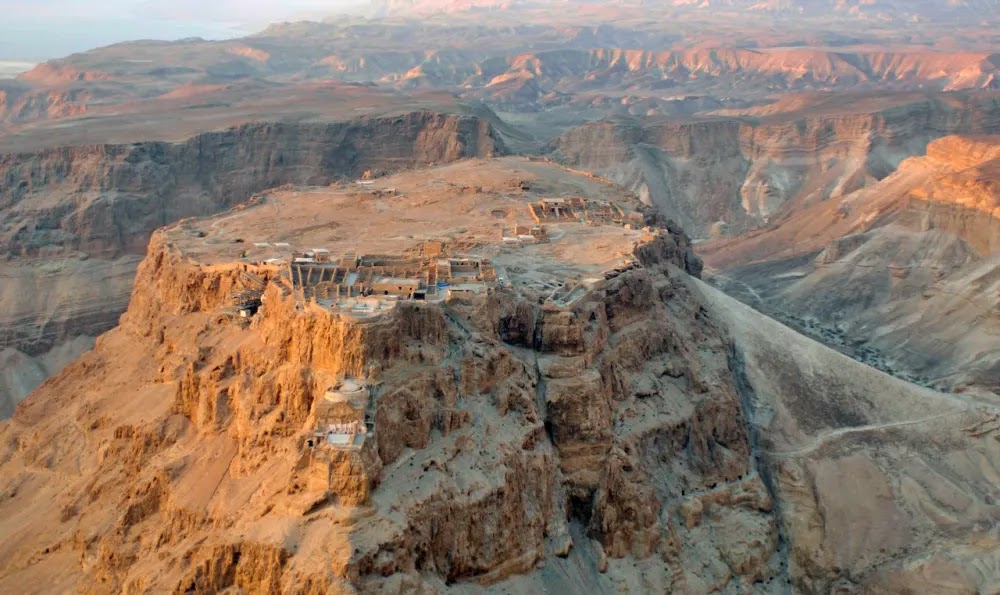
[(500, 297), (501, 376)]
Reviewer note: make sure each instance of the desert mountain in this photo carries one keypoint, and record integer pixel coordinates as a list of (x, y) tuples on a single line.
[(563, 407), (907, 267), (724, 124), (76, 219), (731, 172), (856, 9), (294, 318), (525, 56), (574, 65)]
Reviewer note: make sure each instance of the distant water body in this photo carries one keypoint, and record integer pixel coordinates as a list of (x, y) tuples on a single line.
[(35, 40), (10, 69)]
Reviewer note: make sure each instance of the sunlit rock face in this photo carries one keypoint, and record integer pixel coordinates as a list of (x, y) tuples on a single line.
[(77, 219), (647, 434), (746, 171)]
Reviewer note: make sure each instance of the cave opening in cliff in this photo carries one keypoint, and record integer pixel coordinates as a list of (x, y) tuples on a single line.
[(581, 507)]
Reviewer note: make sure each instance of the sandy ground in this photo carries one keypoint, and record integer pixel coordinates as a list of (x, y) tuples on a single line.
[(467, 205)]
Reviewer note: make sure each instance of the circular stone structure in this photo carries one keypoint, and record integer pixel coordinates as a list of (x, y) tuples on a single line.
[(352, 392)]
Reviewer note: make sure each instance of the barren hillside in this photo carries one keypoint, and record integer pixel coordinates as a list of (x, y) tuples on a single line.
[(576, 413), (76, 219), (907, 266)]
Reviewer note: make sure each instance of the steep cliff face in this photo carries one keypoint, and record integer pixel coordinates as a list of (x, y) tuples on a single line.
[(612, 427), (105, 200), (74, 219), (964, 200), (652, 435), (726, 176), (902, 273)]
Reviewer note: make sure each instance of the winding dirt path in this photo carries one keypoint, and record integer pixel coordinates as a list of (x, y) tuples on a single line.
[(822, 439)]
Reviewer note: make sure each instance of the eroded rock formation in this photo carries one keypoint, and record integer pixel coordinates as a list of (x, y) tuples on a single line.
[(76, 219), (493, 437), (902, 274), (650, 435), (764, 163)]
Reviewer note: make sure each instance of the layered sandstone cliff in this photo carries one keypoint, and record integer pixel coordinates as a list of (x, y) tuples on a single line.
[(499, 441), (75, 219), (730, 175), (653, 435), (906, 268)]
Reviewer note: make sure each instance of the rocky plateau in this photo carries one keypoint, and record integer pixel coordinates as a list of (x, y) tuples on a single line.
[(74, 221), (205, 245), (653, 435)]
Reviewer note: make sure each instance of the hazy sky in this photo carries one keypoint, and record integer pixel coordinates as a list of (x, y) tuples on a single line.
[(43, 29)]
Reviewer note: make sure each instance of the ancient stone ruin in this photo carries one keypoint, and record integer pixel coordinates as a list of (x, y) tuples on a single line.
[(366, 285)]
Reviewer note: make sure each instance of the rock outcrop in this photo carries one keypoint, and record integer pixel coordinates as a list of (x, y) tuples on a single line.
[(650, 435), (751, 169), (901, 274), (75, 219), (489, 444)]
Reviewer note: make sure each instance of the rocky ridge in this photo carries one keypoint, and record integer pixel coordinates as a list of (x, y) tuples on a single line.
[(730, 175), (918, 252), (74, 220), (502, 77), (640, 55), (653, 435)]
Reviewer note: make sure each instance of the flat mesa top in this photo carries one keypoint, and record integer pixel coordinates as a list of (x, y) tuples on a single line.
[(469, 207), (185, 112)]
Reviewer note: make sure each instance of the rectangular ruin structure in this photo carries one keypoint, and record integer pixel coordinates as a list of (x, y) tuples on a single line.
[(521, 235), (344, 416), (556, 209), (572, 210), (371, 284)]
